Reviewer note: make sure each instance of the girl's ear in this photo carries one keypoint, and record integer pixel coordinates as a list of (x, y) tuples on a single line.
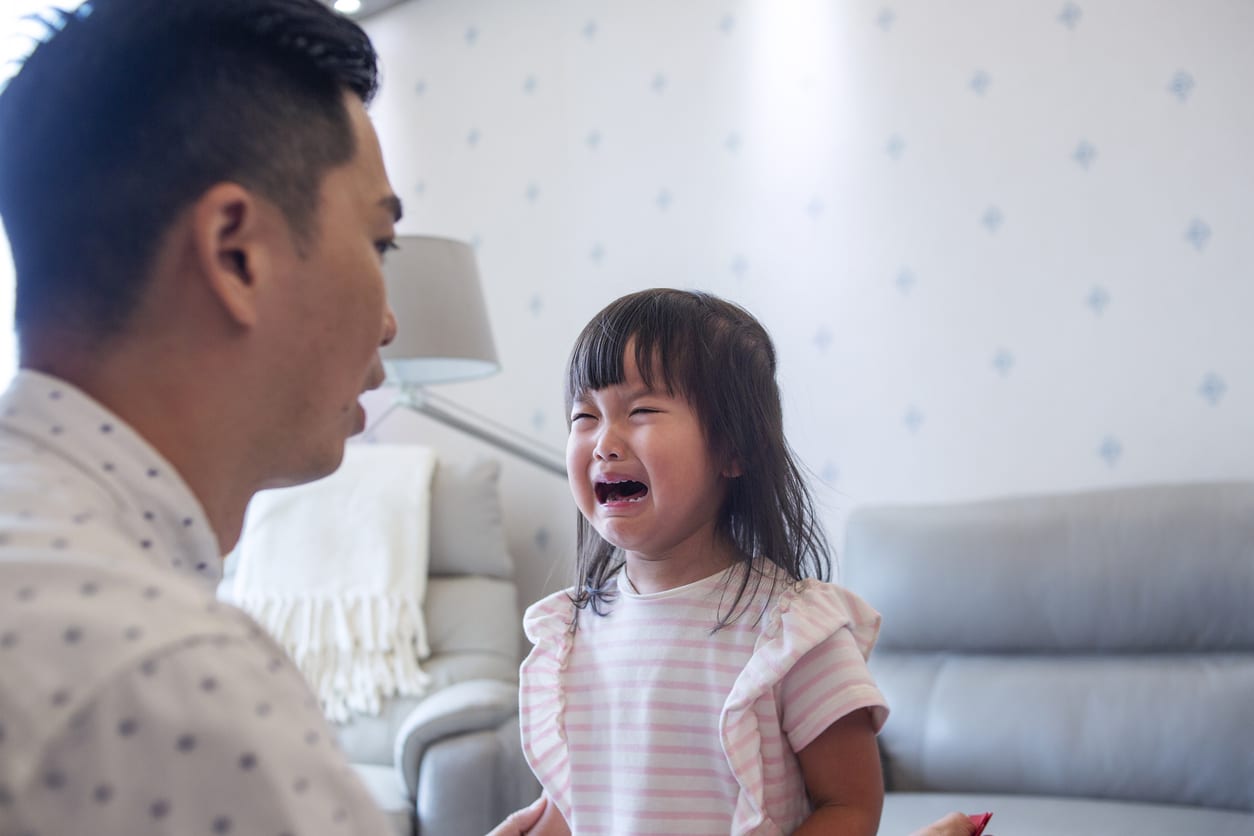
[(727, 451)]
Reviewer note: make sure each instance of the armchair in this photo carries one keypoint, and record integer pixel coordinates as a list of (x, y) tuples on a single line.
[(450, 763)]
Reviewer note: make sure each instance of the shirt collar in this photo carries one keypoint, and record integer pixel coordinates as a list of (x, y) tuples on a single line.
[(169, 522)]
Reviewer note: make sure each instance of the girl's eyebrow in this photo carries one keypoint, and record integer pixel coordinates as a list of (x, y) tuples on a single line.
[(640, 391), (647, 391)]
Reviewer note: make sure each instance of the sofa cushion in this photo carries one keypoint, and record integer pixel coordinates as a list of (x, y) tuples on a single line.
[(1021, 815), (467, 534), (473, 614), (1161, 568), (1135, 727)]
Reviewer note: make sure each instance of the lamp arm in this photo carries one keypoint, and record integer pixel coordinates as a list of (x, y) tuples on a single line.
[(479, 427)]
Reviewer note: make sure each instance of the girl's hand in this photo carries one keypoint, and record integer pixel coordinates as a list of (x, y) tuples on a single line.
[(954, 824), (521, 822), (540, 818), (551, 823)]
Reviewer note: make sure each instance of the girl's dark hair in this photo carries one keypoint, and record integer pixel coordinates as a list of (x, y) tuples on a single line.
[(128, 110), (721, 360)]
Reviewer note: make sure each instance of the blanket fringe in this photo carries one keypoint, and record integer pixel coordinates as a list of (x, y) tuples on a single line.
[(355, 651)]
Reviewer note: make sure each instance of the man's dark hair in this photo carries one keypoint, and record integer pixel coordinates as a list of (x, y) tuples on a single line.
[(130, 109)]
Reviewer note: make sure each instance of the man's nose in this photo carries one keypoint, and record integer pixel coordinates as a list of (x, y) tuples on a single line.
[(389, 326)]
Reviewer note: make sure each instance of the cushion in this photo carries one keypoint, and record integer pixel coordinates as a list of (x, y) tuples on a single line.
[(467, 534), (1022, 815), (1160, 568), (473, 614)]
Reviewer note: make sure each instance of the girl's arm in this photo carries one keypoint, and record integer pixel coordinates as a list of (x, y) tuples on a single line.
[(842, 773)]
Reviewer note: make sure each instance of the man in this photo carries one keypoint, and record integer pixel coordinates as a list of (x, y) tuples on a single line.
[(198, 209)]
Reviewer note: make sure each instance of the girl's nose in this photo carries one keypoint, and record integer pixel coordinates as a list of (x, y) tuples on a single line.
[(608, 446)]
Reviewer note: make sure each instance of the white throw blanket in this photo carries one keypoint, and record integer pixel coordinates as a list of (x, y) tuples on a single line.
[(336, 570)]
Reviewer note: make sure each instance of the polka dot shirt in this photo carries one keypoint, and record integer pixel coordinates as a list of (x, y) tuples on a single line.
[(131, 701)]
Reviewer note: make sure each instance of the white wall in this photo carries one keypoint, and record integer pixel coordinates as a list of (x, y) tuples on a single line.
[(17, 31), (1002, 247)]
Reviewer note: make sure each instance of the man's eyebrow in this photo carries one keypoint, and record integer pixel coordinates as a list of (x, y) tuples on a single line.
[(393, 203)]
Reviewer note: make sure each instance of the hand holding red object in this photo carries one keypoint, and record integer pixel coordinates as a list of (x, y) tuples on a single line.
[(979, 820)]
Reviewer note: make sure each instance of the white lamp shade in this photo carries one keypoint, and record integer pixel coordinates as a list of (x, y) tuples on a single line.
[(443, 332)]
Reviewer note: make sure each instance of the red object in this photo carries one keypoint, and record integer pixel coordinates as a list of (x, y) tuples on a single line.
[(979, 820)]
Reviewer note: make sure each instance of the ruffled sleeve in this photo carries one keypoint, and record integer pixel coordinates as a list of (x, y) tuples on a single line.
[(541, 699), (804, 617)]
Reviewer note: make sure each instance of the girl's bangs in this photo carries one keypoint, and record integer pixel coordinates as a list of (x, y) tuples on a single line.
[(660, 336)]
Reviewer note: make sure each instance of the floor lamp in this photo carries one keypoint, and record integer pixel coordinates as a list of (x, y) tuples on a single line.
[(444, 336)]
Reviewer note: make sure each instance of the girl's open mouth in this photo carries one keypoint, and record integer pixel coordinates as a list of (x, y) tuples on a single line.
[(627, 490)]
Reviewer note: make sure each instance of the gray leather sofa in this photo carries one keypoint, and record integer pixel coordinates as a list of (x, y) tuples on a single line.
[(451, 763), (1076, 663)]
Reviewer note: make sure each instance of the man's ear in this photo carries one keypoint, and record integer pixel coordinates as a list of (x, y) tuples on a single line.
[(232, 239)]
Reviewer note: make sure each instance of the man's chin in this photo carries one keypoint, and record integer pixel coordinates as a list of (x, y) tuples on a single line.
[(319, 467)]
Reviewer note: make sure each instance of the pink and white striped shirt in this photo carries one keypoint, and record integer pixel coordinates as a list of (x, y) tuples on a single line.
[(643, 721)]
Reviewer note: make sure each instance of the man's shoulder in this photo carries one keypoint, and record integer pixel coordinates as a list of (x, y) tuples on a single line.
[(144, 695), (69, 627), (104, 605), (36, 481)]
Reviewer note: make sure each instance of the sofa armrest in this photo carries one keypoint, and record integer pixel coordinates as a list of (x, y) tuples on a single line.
[(470, 706)]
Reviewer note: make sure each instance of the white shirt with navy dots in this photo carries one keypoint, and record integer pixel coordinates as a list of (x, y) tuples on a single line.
[(131, 701)]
